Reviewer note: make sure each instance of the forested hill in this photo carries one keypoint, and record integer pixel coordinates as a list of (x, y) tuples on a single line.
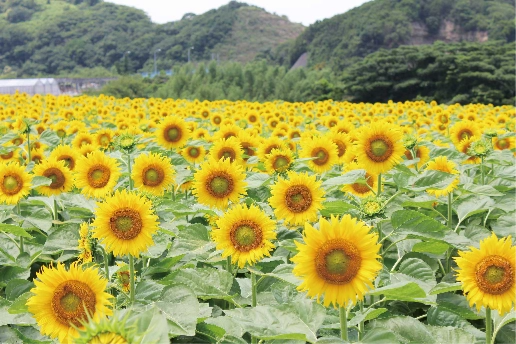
[(51, 37), (344, 39)]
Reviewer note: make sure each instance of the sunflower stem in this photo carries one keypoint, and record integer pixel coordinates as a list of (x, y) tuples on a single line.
[(254, 340), (450, 211), (482, 177), (343, 323), (361, 325), (129, 170), (131, 279), (18, 212), (489, 326), (379, 186), (56, 215), (28, 147)]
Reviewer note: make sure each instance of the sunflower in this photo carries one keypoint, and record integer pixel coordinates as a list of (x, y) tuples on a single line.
[(82, 139), (323, 149), (193, 154), (124, 223), (422, 152), (229, 148), (488, 274), (442, 164), (268, 145), (463, 130), (172, 133), (339, 260), (63, 299), (96, 174), (504, 143), (245, 234), (344, 146), (297, 199), (379, 147), (61, 176), (116, 329), (104, 137), (463, 146), (67, 154), (15, 183), (152, 173), (362, 189), (218, 182), (279, 160)]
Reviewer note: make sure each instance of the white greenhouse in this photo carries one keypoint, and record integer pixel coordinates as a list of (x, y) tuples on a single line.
[(30, 86)]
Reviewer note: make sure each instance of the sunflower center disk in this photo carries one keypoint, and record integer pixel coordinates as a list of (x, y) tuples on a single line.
[(246, 235), (98, 176), (363, 188), (338, 261), (126, 223), (173, 134), (12, 184), (341, 148), (322, 156), (465, 134), (68, 160), (193, 152), (502, 144), (61, 133), (280, 162), (57, 177), (494, 275), (153, 175), (227, 154), (380, 149), (72, 301), (298, 198), (221, 185)]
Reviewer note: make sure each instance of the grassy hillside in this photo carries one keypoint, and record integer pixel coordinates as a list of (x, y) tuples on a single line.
[(346, 38), (51, 37)]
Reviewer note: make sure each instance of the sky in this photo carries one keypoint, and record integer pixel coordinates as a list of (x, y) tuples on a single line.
[(305, 12)]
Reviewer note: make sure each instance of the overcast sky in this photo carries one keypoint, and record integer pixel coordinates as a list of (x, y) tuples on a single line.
[(300, 11)]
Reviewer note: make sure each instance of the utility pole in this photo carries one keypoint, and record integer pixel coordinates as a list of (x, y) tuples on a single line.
[(155, 66), (189, 53)]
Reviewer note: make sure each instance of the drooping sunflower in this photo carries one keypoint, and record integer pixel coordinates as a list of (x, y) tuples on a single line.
[(279, 160), (442, 164), (338, 261), (124, 223), (63, 298), (67, 154), (379, 147), (62, 178), (488, 274), (96, 174), (323, 149), (296, 199), (15, 183), (172, 133), (218, 182), (152, 173), (229, 148), (245, 234)]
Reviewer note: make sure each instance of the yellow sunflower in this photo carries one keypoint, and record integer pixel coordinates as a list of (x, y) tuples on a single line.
[(152, 173), (62, 178), (362, 189), (488, 274), (63, 299), (96, 174), (172, 133), (245, 234), (422, 152), (379, 147), (268, 145), (463, 130), (124, 223), (463, 146), (15, 183), (82, 139), (344, 146), (442, 164), (296, 199), (218, 182), (229, 148), (279, 160), (67, 154), (323, 149), (504, 143), (339, 260), (193, 154)]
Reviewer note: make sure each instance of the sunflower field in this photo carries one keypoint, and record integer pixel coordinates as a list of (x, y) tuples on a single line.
[(175, 221)]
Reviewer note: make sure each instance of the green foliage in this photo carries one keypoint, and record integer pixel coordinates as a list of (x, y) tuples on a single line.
[(57, 37), (448, 73), (339, 41)]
